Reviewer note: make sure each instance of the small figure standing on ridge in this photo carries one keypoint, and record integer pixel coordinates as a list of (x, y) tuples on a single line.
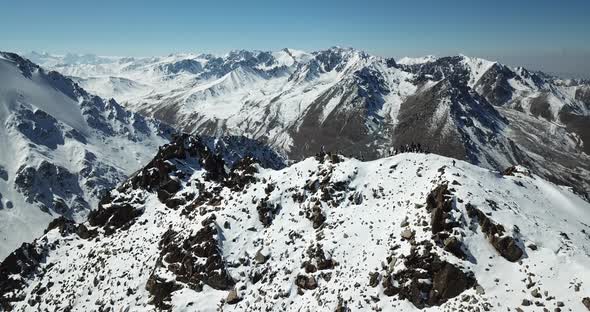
[(453, 163)]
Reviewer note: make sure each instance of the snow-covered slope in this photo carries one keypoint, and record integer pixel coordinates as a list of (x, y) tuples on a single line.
[(403, 233), (361, 105), (119, 88), (61, 149)]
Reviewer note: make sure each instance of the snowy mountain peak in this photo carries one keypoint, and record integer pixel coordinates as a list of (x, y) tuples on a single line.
[(477, 68), (24, 65), (342, 53), (416, 60)]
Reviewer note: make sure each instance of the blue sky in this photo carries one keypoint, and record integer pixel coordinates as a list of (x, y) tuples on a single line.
[(550, 35)]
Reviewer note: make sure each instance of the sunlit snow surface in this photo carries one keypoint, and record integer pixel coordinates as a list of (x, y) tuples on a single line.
[(358, 236)]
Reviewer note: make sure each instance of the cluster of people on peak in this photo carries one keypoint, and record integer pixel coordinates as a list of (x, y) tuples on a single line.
[(406, 148), (409, 148)]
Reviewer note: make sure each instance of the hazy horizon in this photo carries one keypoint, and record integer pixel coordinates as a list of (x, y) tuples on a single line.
[(540, 35), (528, 62)]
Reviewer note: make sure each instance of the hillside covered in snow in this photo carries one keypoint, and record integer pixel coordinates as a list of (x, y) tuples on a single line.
[(194, 231), (62, 149)]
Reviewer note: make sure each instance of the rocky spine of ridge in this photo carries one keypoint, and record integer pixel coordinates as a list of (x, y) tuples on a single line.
[(190, 228), (118, 210)]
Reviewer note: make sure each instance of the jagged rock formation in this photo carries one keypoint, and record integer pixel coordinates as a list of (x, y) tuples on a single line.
[(329, 233), (507, 246)]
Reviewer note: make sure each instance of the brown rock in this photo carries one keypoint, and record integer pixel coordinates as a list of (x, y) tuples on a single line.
[(374, 279), (507, 248), (161, 291), (526, 302), (306, 282), (450, 281), (259, 257), (453, 245), (407, 234), (232, 297)]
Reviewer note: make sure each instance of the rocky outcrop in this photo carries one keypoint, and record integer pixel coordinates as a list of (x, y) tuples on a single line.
[(49, 185), (160, 289), (242, 173), (14, 270), (426, 280), (195, 261), (64, 226), (114, 216), (233, 297), (514, 170), (3, 173), (440, 204), (307, 282), (266, 211), (159, 173), (315, 215), (317, 259), (507, 246)]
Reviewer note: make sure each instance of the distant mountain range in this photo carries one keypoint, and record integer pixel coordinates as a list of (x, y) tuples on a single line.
[(348, 101)]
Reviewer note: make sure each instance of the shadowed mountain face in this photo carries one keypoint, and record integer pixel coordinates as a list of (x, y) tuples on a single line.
[(454, 121), (62, 148), (365, 106)]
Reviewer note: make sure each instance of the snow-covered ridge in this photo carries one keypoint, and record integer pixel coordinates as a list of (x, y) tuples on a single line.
[(404, 233)]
